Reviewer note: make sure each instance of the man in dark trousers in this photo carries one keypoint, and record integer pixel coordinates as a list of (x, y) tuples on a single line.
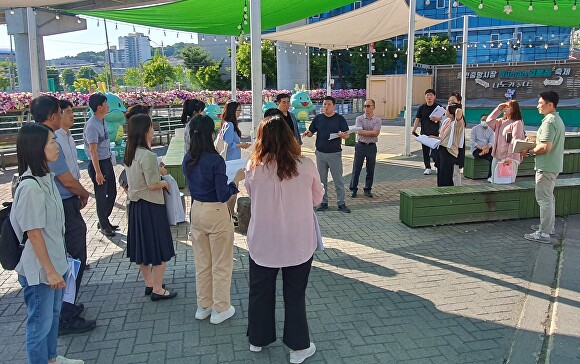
[(98, 148), (329, 151), (366, 148), (429, 126), (283, 102), (46, 110)]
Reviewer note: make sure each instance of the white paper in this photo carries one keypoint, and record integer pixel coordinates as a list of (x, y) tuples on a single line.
[(233, 166), (354, 129), (521, 145), (173, 203), (319, 238), (439, 112), (70, 291), (432, 143)]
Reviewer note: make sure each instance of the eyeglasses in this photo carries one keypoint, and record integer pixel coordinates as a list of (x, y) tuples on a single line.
[(368, 105)]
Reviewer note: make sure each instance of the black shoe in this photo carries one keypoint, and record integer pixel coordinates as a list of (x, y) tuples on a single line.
[(343, 208), (79, 308), (164, 296), (322, 207), (113, 227), (368, 194), (353, 194), (77, 325), (149, 290), (107, 232)]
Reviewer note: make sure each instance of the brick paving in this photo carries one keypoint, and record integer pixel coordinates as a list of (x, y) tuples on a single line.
[(381, 292)]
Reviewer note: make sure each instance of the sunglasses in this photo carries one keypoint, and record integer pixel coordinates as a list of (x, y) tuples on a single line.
[(368, 105)]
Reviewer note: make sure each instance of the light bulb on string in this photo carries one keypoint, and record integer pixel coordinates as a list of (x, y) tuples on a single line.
[(555, 5), (98, 23), (177, 35), (133, 29), (164, 34), (427, 2), (480, 6), (11, 11), (79, 20), (455, 4), (546, 46), (149, 31), (531, 7), (57, 17), (116, 26), (574, 6)]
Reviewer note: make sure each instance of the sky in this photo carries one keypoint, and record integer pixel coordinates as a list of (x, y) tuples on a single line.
[(93, 39)]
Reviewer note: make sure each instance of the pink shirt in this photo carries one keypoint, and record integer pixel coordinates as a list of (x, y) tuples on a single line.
[(370, 124), (501, 148), (281, 231)]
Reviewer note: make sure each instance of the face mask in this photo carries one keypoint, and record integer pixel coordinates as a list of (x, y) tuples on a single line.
[(484, 124)]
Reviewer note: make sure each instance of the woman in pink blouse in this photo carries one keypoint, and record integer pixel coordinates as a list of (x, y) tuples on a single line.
[(283, 188), (510, 127)]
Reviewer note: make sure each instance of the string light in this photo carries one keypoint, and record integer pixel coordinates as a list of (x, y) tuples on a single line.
[(116, 26), (98, 23), (11, 11), (57, 16), (79, 20), (555, 6), (531, 7), (574, 6), (480, 6)]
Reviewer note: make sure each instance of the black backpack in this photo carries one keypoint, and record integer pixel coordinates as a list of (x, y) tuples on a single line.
[(10, 247)]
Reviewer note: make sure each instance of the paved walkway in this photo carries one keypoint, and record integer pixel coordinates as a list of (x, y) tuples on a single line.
[(381, 292)]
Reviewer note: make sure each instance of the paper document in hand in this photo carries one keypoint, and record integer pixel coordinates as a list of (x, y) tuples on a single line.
[(521, 145), (233, 166), (432, 143), (70, 291), (354, 129), (439, 112)]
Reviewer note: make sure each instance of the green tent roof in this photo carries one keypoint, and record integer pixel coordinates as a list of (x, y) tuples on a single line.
[(518, 11), (216, 16)]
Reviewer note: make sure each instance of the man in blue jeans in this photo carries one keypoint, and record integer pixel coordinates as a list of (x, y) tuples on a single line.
[(329, 152), (98, 148)]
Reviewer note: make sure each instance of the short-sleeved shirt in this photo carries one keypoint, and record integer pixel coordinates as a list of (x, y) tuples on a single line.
[(95, 131), (231, 138), (428, 127), (552, 130), (69, 148), (369, 124), (323, 126), (39, 206), (60, 167), (144, 172)]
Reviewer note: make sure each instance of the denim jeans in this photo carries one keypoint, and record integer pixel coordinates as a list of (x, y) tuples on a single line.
[(43, 305)]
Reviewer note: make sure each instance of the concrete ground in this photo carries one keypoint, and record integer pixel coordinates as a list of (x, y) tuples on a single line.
[(381, 292)]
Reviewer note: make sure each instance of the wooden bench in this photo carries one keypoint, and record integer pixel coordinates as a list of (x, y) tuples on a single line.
[(428, 206), (174, 158), (477, 168), (7, 147)]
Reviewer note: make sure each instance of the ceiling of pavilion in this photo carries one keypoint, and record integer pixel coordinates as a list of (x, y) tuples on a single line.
[(561, 13), (222, 17)]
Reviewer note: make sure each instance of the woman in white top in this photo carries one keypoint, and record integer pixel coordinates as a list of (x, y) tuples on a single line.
[(38, 216)]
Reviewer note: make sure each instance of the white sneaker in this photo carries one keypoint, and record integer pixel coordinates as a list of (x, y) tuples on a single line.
[(62, 360), (538, 237), (489, 180), (537, 228), (435, 170), (255, 349), (427, 171), (219, 317), (298, 356), (202, 313)]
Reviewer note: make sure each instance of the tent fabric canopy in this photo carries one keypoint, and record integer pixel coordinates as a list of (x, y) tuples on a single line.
[(221, 17), (380, 20), (542, 11)]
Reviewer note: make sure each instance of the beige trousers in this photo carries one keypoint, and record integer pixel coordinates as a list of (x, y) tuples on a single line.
[(545, 183), (212, 233)]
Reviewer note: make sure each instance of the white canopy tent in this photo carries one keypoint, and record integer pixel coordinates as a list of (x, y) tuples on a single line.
[(380, 20)]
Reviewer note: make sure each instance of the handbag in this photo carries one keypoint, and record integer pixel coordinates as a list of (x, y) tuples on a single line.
[(220, 144), (173, 204), (503, 173)]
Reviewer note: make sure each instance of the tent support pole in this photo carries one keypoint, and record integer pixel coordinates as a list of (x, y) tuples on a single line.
[(464, 59), (410, 59), (33, 49), (256, 59), (328, 73), (233, 71)]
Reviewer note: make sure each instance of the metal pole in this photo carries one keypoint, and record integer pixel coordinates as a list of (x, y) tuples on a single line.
[(410, 58), (11, 66), (33, 50), (256, 60), (109, 55), (464, 59), (328, 73), (449, 20), (370, 61), (233, 71)]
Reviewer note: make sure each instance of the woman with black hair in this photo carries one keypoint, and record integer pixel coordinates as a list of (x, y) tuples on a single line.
[(38, 216), (149, 240), (231, 131), (190, 109), (212, 230)]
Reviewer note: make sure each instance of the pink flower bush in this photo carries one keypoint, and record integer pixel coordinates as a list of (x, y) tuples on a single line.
[(21, 100)]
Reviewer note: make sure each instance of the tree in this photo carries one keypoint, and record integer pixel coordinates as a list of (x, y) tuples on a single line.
[(91, 57), (4, 83), (384, 61), (84, 85), (195, 57), (133, 77), (210, 78), (318, 70), (268, 64), (52, 72), (68, 77), (86, 72), (157, 71), (435, 50)]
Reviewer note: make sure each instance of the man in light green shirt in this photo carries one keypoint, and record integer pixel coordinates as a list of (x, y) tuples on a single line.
[(549, 151)]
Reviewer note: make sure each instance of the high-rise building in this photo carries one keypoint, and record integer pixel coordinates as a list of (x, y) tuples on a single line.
[(134, 49)]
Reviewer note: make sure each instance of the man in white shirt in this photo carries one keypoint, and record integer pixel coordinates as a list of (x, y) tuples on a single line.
[(482, 138)]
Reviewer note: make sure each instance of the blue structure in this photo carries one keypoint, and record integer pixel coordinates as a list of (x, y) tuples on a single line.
[(490, 40)]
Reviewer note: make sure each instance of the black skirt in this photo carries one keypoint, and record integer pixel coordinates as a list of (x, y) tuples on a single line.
[(149, 239)]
